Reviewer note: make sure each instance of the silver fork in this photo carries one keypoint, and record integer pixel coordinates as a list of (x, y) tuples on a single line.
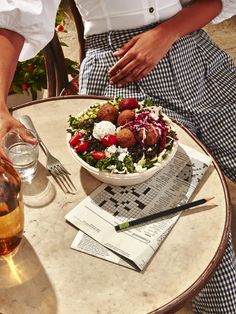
[(53, 165)]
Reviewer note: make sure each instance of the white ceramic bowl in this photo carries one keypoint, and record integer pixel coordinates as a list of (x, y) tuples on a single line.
[(122, 179)]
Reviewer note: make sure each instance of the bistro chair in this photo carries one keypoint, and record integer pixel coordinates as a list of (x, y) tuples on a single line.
[(57, 76)]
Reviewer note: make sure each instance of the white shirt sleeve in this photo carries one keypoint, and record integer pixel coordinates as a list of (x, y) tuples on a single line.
[(228, 10), (34, 20)]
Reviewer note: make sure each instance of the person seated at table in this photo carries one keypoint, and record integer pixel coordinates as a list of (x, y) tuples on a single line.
[(152, 49)]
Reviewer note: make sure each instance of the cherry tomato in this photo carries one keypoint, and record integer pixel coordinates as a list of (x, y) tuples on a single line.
[(98, 155), (108, 140), (128, 103), (75, 139), (81, 147)]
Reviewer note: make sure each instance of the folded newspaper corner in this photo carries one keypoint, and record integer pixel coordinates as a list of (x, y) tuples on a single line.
[(98, 214)]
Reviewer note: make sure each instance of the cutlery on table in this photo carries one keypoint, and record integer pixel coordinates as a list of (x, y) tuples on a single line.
[(53, 165)]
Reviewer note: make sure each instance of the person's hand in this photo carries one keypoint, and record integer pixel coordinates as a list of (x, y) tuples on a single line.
[(140, 55), (7, 122)]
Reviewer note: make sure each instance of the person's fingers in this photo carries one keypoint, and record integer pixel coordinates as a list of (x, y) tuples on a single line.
[(129, 68), (125, 48), (27, 136), (136, 75), (121, 64), (143, 73), (20, 129), (4, 155), (7, 124)]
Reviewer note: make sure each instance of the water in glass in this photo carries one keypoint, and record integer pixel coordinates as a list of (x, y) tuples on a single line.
[(24, 157)]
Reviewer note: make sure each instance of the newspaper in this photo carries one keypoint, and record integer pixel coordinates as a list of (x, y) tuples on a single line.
[(98, 214)]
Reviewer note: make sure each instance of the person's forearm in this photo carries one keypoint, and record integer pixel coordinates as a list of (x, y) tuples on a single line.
[(11, 44), (193, 17)]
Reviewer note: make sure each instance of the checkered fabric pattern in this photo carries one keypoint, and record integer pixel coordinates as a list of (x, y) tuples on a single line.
[(219, 295), (195, 83)]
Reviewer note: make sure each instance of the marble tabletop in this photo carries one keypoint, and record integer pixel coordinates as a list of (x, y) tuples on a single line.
[(47, 276)]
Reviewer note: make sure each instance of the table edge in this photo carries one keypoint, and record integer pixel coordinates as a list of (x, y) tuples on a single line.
[(193, 290)]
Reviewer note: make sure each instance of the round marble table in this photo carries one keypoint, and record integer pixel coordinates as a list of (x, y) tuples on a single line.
[(46, 276)]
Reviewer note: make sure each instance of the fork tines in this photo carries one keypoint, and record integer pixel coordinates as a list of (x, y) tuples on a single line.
[(64, 182), (61, 176)]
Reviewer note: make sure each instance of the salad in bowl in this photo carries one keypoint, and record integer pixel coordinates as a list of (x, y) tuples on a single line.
[(122, 141)]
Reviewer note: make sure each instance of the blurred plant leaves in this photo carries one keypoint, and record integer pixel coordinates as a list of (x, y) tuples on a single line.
[(32, 73)]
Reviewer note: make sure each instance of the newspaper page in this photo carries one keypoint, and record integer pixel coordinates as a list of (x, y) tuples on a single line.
[(99, 213), (83, 243)]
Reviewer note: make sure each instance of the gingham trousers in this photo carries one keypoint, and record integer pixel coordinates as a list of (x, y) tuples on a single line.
[(195, 83)]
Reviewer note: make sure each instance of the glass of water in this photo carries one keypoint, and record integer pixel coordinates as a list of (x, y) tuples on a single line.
[(24, 155)]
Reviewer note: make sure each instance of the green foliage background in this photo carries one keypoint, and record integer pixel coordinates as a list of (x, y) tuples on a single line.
[(31, 73)]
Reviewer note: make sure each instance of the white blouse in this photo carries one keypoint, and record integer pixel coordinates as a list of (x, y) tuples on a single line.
[(106, 15), (35, 19)]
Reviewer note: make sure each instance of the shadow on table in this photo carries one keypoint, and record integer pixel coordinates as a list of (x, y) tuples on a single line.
[(88, 182), (40, 191), (24, 285)]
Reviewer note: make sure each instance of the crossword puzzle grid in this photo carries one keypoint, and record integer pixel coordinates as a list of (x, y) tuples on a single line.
[(193, 172), (125, 201)]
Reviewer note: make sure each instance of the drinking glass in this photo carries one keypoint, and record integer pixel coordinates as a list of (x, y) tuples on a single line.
[(24, 155)]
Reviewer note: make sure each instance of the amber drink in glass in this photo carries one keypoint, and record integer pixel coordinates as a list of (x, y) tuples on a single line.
[(11, 209)]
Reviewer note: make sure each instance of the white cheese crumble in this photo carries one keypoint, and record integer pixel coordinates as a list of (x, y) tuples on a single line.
[(111, 149), (121, 157), (103, 128)]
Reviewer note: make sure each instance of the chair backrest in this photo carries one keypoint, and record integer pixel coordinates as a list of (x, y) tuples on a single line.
[(56, 72), (79, 27)]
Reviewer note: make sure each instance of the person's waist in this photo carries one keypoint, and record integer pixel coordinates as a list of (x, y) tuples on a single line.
[(113, 40), (123, 21), (102, 26)]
